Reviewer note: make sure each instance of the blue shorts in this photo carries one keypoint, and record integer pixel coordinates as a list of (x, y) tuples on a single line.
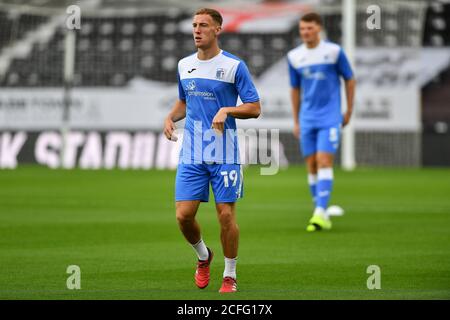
[(192, 182), (313, 140)]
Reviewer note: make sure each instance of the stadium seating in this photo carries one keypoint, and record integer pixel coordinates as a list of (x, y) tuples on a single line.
[(13, 26), (111, 50)]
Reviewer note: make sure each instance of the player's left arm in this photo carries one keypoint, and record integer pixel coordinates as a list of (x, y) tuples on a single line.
[(350, 94), (345, 70), (250, 108), (243, 111)]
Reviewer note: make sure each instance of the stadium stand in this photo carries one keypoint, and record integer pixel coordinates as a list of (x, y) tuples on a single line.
[(112, 50), (436, 93), (14, 26), (150, 46)]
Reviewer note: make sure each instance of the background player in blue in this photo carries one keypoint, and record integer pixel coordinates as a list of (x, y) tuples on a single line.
[(210, 82), (315, 68)]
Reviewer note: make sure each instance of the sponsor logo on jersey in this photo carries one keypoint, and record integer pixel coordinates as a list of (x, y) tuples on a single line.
[(190, 86), (306, 73), (191, 91)]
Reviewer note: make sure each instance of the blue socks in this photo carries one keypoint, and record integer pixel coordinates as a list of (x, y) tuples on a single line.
[(324, 187), (312, 181)]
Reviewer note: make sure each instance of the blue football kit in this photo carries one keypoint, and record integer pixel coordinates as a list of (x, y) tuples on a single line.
[(317, 73), (207, 157)]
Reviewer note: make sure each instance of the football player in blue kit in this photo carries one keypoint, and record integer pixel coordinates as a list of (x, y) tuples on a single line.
[(210, 82), (315, 70)]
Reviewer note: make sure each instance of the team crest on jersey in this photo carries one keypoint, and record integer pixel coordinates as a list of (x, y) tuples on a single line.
[(190, 86), (220, 73)]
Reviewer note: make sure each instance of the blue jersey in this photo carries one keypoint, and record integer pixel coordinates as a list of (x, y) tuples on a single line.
[(207, 86), (317, 72)]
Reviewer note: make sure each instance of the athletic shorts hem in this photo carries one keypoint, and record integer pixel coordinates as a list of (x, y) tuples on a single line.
[(308, 154), (323, 151), (191, 199), (226, 200)]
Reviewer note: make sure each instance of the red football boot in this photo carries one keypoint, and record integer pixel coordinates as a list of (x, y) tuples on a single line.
[(228, 285), (202, 272)]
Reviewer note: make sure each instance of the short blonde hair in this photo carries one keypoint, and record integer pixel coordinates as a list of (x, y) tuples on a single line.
[(214, 14)]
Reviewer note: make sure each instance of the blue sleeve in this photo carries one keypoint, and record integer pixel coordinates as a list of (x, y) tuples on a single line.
[(343, 66), (294, 76), (244, 84), (181, 93)]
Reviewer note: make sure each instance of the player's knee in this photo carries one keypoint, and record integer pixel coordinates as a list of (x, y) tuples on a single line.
[(183, 217), (311, 163), (226, 218), (325, 161)]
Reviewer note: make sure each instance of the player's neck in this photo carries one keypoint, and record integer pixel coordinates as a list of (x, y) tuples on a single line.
[(313, 44), (208, 53)]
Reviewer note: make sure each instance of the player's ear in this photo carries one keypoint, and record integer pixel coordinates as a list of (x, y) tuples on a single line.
[(218, 30)]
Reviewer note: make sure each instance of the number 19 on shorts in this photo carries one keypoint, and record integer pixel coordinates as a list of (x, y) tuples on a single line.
[(229, 177)]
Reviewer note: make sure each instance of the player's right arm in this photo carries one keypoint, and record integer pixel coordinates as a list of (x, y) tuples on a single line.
[(295, 100), (177, 113), (295, 81)]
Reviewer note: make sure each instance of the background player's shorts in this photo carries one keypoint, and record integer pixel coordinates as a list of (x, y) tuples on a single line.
[(314, 140), (192, 182)]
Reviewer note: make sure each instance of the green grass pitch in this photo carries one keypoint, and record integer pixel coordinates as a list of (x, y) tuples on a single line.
[(119, 227)]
